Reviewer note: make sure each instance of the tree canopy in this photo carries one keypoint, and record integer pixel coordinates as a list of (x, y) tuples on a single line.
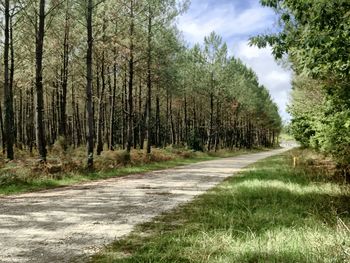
[(316, 37)]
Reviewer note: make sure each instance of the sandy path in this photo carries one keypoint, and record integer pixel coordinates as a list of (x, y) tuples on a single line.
[(62, 224)]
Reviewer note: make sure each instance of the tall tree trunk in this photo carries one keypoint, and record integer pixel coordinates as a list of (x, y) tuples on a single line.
[(173, 134), (100, 121), (2, 132), (210, 135), (40, 128), (167, 119), (89, 111), (64, 76), (112, 114), (217, 130), (100, 111), (149, 81), (185, 119), (157, 120), (12, 66), (124, 108), (141, 118), (8, 93), (20, 120), (131, 78)]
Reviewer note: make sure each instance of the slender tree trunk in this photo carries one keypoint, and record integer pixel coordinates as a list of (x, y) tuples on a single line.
[(100, 121), (112, 114), (141, 118), (8, 93), (40, 128), (167, 119), (20, 120), (217, 132), (124, 109), (89, 78), (185, 118), (131, 78), (12, 66), (2, 132), (210, 135), (173, 134), (64, 76), (149, 81), (157, 120), (100, 112)]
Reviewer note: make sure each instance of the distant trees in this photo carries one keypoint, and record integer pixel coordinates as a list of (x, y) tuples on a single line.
[(316, 37), (116, 75)]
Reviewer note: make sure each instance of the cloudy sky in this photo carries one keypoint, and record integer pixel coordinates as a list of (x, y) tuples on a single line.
[(236, 21)]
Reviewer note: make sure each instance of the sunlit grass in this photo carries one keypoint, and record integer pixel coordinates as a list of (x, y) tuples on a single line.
[(272, 213)]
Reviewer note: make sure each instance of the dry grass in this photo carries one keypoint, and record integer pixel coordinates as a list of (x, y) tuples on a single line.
[(316, 164)]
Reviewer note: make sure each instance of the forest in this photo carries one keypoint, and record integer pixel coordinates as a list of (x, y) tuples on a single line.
[(118, 75)]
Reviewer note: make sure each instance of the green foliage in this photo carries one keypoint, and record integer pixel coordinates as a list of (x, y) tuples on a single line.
[(315, 34), (302, 130)]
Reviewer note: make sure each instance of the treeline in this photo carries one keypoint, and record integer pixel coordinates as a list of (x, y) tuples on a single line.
[(316, 37), (117, 75)]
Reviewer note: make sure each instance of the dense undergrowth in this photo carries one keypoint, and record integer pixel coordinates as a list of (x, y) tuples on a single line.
[(68, 167), (274, 212)]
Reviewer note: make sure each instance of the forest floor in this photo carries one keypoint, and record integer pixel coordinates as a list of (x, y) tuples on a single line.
[(63, 224)]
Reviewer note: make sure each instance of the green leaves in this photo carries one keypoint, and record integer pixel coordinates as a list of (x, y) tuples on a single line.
[(315, 34)]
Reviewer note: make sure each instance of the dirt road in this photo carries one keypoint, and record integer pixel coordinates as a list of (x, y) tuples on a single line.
[(74, 222)]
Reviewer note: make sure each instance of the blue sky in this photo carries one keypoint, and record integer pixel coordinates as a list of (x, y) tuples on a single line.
[(236, 21)]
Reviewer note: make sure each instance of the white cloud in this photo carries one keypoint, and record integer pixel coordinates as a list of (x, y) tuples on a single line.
[(275, 78), (250, 52), (278, 77), (224, 19)]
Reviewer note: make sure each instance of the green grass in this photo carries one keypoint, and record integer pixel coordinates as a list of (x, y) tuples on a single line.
[(272, 213), (14, 184)]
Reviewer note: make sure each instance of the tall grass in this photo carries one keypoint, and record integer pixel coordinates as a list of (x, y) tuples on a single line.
[(271, 213)]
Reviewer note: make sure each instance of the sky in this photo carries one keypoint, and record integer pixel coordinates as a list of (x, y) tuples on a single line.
[(236, 21)]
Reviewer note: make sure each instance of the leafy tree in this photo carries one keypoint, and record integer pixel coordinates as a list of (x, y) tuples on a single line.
[(315, 35)]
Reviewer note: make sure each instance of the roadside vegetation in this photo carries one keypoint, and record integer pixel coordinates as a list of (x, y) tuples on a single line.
[(26, 174), (314, 39), (272, 212)]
